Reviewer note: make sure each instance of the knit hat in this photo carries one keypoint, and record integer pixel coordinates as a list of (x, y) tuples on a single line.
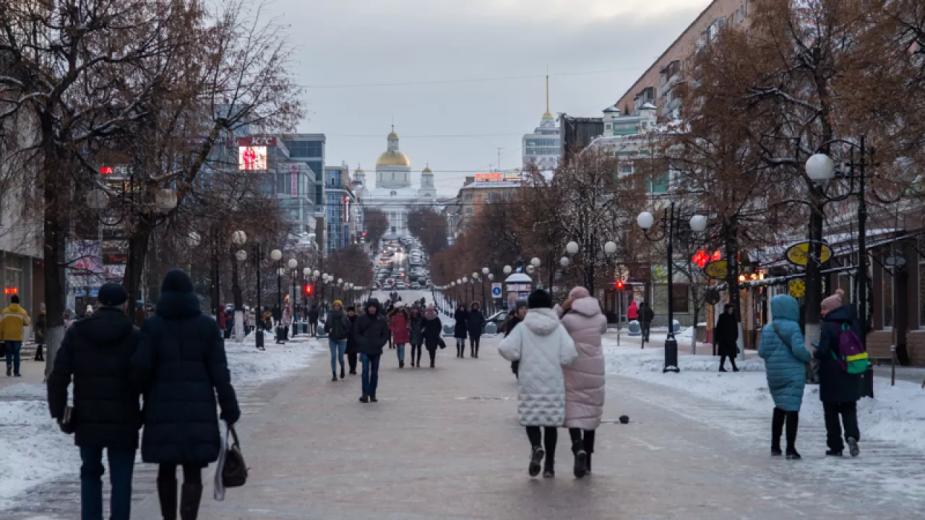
[(112, 295), (177, 281), (338, 302), (539, 299), (833, 302)]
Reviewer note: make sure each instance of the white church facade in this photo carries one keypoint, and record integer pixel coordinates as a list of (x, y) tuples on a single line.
[(393, 192)]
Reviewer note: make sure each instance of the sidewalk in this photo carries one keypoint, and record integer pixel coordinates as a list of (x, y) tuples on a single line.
[(445, 443)]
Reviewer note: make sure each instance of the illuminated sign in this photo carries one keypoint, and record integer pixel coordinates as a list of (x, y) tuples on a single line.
[(10, 291), (257, 140), (252, 158), (489, 177), (105, 170)]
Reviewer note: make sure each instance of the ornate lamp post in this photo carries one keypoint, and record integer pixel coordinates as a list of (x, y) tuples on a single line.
[(239, 239), (670, 225)]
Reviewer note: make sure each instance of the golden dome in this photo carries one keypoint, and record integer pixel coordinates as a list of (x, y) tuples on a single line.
[(393, 159)]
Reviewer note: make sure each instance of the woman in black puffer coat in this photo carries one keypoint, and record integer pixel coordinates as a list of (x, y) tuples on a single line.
[(461, 329), (181, 362)]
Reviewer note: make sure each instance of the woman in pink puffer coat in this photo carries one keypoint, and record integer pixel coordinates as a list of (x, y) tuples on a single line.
[(584, 379)]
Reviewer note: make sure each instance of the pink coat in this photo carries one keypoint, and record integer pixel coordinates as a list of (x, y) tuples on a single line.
[(584, 379), (398, 324)]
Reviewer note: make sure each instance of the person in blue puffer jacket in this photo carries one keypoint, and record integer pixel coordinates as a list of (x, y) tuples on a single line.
[(785, 358)]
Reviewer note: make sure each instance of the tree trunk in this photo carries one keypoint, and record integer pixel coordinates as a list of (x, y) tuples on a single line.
[(138, 244), (55, 231), (731, 238)]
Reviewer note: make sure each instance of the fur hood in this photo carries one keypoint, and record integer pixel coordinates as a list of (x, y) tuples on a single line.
[(541, 321)]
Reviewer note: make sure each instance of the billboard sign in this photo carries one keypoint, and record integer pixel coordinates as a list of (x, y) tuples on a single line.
[(489, 177), (252, 158)]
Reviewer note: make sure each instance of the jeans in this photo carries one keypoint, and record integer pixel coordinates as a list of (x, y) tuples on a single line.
[(338, 346), (13, 350), (370, 374), (401, 352), (848, 412), (121, 464)]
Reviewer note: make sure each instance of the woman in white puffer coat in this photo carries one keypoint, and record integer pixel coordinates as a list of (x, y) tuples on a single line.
[(584, 379), (543, 347)]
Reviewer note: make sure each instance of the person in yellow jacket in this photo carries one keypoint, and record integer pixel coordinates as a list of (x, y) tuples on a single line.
[(13, 319)]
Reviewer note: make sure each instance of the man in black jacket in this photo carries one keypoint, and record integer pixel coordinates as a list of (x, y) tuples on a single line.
[(97, 352), (372, 333)]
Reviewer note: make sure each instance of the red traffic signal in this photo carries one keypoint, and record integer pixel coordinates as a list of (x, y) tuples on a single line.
[(309, 289), (618, 285)]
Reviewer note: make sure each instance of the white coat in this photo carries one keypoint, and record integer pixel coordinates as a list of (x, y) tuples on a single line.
[(543, 347)]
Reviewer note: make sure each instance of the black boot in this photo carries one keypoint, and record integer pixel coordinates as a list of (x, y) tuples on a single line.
[(549, 466), (167, 496), (589, 463), (189, 500), (535, 458), (581, 459)]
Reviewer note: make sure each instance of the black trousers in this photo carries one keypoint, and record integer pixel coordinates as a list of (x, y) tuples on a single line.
[(432, 352), (460, 347), (848, 412), (191, 490), (585, 437), (548, 438), (722, 362), (416, 349), (474, 345), (645, 326), (352, 362), (792, 419)]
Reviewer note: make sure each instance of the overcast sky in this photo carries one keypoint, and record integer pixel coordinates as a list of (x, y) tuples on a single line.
[(462, 78)]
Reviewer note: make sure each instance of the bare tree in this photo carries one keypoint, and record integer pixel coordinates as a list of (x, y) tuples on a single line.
[(376, 226)]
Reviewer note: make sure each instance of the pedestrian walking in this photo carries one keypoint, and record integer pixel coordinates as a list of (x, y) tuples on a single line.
[(515, 317), (432, 330), (352, 340), (839, 390), (337, 327), (372, 333), (416, 324), (401, 333), (543, 347), (725, 338), (785, 357), (584, 379), (96, 355), (646, 315), (41, 326), (313, 320), (221, 318), (182, 366), (632, 311), (461, 330), (475, 322), (13, 321)]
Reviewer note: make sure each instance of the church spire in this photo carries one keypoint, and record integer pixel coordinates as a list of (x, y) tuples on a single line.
[(547, 116)]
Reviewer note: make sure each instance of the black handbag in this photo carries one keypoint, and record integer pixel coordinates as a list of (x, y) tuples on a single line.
[(234, 471)]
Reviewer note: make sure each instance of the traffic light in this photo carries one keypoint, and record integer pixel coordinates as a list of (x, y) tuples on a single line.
[(618, 285), (309, 289)]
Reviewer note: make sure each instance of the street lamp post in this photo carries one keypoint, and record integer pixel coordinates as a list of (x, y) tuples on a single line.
[(277, 256), (821, 169), (670, 224), (293, 296), (239, 239), (258, 314)]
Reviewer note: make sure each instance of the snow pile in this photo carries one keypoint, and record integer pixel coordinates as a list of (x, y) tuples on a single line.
[(251, 367), (33, 449), (896, 416)]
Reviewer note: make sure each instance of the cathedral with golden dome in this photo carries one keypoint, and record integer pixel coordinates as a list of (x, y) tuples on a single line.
[(394, 192)]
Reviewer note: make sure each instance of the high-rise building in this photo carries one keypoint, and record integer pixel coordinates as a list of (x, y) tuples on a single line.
[(541, 149), (340, 208), (309, 148)]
